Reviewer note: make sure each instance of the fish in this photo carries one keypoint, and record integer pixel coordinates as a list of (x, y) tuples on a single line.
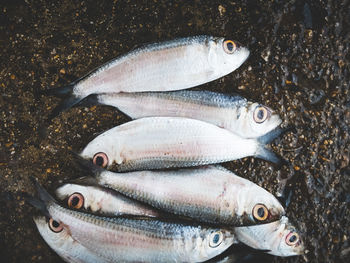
[(280, 237), (177, 64), (92, 198), (139, 239), (232, 112), (209, 194), (170, 142), (63, 243)]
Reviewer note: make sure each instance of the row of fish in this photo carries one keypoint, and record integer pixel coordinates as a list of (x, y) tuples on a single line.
[(140, 211)]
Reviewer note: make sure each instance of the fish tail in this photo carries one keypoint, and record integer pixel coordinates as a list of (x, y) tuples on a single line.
[(39, 204), (60, 91), (89, 101), (69, 99), (267, 154), (270, 136), (43, 201), (88, 167)]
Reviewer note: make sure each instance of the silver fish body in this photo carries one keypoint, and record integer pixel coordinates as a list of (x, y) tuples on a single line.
[(209, 194), (93, 198), (166, 142), (64, 245), (280, 238), (138, 240), (172, 65), (234, 113)]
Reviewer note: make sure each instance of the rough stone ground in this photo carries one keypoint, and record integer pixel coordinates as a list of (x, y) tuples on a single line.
[(298, 66)]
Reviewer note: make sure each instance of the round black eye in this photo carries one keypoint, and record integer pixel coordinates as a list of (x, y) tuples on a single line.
[(76, 200), (215, 239), (55, 223), (55, 226), (229, 46), (261, 113), (292, 239), (100, 159), (260, 212)]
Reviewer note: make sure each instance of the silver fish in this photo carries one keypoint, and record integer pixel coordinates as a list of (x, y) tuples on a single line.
[(137, 240), (277, 238), (234, 113), (93, 198), (280, 238), (208, 194), (165, 142), (64, 245), (172, 65)]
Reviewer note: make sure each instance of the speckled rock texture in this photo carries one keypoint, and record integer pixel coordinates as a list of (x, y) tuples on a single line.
[(299, 66)]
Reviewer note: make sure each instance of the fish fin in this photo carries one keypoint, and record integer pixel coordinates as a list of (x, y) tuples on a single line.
[(86, 181), (87, 165), (64, 105), (69, 99), (39, 204), (270, 136), (269, 155), (60, 91), (89, 101)]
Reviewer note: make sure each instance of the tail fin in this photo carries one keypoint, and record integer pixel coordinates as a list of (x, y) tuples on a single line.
[(89, 101), (59, 92), (44, 200), (69, 99), (270, 136), (87, 165), (266, 154)]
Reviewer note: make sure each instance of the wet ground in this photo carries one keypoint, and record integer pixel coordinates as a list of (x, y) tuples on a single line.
[(298, 66)]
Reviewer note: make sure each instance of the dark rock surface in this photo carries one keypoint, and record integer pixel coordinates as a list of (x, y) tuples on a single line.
[(299, 66)]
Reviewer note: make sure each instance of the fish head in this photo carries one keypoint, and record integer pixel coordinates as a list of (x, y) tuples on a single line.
[(278, 238), (215, 242), (257, 205), (101, 150), (226, 55), (55, 235), (256, 120), (80, 196)]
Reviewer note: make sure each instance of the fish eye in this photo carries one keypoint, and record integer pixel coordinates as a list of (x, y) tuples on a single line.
[(215, 239), (55, 226), (76, 200), (229, 46), (260, 212), (292, 238), (261, 113), (100, 159)]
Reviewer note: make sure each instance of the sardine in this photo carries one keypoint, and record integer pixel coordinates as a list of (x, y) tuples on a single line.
[(172, 65), (122, 239), (64, 245), (279, 237), (168, 142), (93, 198), (208, 194), (234, 113)]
